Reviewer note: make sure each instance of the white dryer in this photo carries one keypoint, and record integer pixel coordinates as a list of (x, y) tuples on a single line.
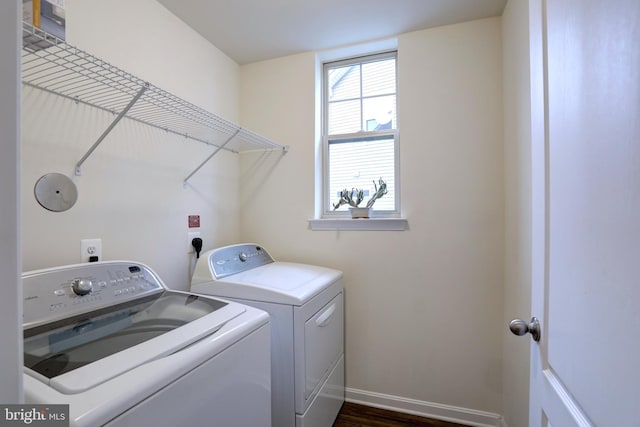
[(114, 343), (305, 303)]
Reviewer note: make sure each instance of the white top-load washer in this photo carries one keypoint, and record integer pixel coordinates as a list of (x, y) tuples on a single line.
[(114, 343), (305, 303)]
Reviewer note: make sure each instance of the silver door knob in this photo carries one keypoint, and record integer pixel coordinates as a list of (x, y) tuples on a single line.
[(520, 327)]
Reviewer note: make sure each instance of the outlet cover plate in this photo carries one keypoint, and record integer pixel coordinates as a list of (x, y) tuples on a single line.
[(89, 248)]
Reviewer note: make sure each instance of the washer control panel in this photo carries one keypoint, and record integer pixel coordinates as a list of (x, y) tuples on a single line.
[(237, 258), (62, 292)]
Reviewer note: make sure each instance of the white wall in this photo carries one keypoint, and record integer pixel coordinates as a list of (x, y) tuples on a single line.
[(424, 307), (11, 301), (130, 192), (517, 142)]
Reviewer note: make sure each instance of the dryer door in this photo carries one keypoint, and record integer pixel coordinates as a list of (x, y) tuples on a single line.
[(323, 344)]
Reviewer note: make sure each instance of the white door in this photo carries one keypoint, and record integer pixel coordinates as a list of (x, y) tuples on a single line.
[(586, 217)]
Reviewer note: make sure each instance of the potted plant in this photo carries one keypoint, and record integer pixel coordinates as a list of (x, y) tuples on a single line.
[(354, 197)]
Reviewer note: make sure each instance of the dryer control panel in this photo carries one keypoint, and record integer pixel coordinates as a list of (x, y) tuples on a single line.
[(62, 292), (237, 258)]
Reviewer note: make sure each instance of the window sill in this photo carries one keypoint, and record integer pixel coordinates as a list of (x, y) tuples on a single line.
[(362, 224)]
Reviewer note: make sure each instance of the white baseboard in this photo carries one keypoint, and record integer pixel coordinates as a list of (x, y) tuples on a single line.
[(437, 411)]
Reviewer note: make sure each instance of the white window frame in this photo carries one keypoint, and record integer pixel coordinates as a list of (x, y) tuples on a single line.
[(327, 208)]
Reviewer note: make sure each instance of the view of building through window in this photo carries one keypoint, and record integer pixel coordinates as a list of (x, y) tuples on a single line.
[(360, 128)]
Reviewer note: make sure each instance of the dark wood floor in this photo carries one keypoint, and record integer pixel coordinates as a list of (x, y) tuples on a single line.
[(353, 415)]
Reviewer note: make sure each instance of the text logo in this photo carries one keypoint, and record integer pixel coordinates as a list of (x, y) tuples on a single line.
[(34, 415)]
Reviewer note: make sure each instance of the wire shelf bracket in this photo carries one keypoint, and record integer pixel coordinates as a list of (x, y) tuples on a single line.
[(108, 129), (53, 66), (209, 158)]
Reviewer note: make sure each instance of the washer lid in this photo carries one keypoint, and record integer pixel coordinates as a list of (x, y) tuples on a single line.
[(76, 354), (278, 282)]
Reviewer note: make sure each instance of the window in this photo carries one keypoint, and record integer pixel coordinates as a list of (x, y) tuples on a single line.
[(360, 131)]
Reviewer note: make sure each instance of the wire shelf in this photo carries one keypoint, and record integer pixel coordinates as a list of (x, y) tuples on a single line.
[(52, 65)]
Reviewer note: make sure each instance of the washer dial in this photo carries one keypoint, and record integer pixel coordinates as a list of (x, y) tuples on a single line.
[(82, 286)]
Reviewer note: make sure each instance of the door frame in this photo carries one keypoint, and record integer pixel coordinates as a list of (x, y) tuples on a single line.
[(539, 209), (10, 250)]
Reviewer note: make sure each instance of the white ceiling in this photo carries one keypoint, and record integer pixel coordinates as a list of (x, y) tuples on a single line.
[(255, 30)]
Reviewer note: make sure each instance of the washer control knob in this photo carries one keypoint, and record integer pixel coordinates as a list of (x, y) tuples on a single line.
[(242, 256), (82, 286)]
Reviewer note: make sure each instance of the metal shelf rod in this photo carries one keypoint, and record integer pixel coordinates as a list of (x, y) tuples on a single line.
[(209, 158), (111, 126)]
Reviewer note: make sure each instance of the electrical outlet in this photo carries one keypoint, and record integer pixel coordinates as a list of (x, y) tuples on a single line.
[(90, 248), (190, 236)]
